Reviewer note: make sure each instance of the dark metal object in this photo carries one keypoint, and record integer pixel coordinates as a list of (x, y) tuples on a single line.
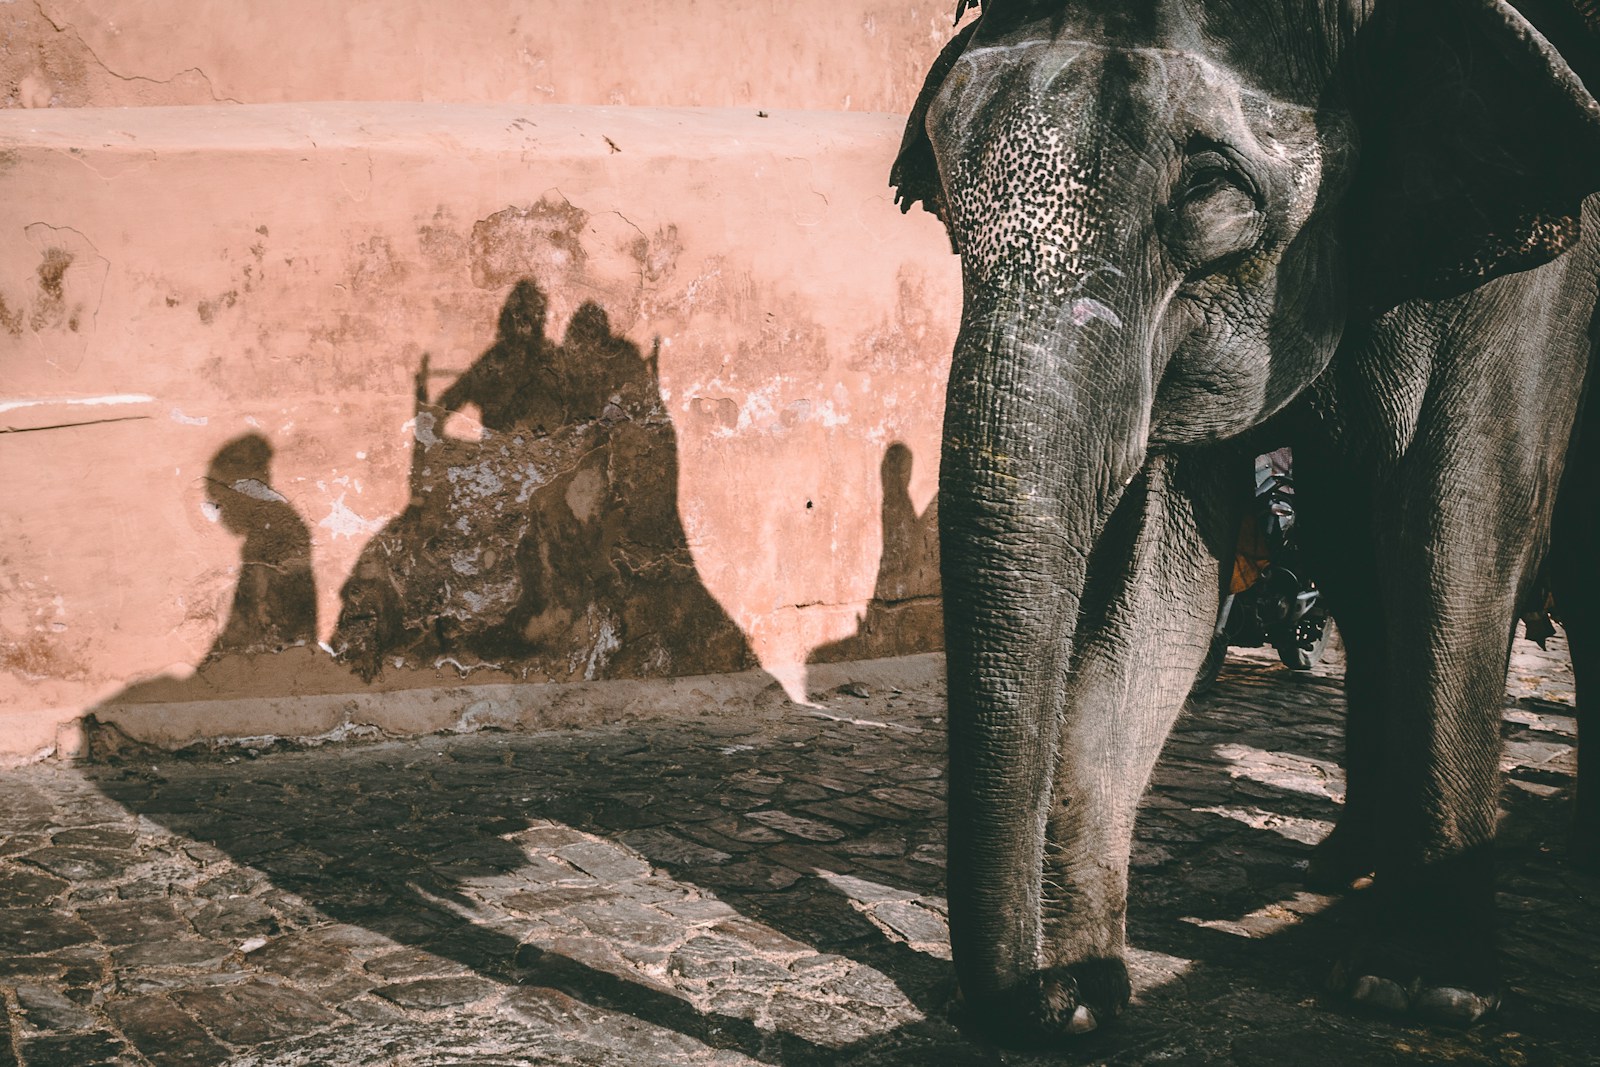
[(1281, 604)]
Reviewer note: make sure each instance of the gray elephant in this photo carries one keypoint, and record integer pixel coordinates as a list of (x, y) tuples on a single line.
[(1192, 230)]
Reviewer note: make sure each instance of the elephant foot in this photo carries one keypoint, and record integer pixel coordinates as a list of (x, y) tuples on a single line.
[(1341, 861), (1436, 965), (1394, 982), (1051, 1006)]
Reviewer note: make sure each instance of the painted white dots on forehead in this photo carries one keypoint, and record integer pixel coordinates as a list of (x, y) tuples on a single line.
[(1027, 204)]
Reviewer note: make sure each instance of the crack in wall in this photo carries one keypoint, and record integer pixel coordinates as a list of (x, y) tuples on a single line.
[(70, 425), (67, 31)]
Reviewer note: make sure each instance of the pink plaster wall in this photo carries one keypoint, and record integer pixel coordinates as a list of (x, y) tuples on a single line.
[(176, 278), (864, 55)]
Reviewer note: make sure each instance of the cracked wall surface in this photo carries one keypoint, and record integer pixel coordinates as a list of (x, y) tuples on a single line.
[(381, 398), (864, 55)]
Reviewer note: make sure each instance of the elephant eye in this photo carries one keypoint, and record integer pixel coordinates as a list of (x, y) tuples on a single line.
[(1209, 173), (1214, 211), (1207, 182)]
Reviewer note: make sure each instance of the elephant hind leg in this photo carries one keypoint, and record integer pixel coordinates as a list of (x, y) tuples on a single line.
[(1579, 585), (1344, 554), (1348, 856), (1575, 567), (1584, 644)]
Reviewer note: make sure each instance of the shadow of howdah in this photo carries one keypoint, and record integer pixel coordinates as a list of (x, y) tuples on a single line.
[(546, 543), (905, 614)]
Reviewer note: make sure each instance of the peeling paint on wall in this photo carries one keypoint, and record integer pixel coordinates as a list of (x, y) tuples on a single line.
[(341, 521)]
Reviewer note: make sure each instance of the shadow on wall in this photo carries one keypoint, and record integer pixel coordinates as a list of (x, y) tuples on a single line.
[(905, 611), (274, 605), (275, 602), (551, 545)]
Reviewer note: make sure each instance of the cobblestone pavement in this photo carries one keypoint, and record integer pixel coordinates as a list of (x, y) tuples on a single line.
[(755, 882)]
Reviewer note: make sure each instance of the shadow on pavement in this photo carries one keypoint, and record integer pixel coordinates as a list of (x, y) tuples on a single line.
[(694, 874)]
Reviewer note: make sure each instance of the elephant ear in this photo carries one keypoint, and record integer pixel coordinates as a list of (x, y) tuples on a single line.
[(915, 175), (1480, 141)]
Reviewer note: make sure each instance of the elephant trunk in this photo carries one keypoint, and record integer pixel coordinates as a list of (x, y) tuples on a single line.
[(1047, 423)]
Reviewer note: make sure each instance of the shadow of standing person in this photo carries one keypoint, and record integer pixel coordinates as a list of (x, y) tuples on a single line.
[(905, 615), (275, 601), (274, 605)]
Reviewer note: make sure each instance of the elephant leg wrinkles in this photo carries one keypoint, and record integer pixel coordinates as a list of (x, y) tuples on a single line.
[(1456, 519)]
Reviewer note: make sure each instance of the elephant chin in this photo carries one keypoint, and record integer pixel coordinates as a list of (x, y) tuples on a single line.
[(1051, 1007)]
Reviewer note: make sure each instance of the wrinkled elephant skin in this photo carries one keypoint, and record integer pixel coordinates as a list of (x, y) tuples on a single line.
[(1191, 230)]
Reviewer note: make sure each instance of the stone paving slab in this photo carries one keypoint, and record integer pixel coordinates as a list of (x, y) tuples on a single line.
[(759, 884)]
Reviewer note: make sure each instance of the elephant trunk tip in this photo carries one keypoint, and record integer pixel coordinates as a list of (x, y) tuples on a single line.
[(1050, 1007)]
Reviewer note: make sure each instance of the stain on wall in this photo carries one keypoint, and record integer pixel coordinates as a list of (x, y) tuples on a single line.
[(64, 288)]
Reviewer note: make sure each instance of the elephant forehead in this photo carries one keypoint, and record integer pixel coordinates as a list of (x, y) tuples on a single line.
[(1030, 199), (1141, 93), (1036, 138), (1043, 61)]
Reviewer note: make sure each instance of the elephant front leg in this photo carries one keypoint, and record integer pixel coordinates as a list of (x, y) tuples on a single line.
[(1429, 945)]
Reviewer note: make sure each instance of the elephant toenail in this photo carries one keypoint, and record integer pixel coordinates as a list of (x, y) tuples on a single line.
[(1082, 1021), (1459, 1006), (1379, 993)]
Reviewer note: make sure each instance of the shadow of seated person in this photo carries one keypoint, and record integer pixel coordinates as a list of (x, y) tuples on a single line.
[(274, 605), (515, 383), (524, 383)]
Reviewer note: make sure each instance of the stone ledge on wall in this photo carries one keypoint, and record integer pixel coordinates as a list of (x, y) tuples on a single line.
[(311, 400), (255, 725)]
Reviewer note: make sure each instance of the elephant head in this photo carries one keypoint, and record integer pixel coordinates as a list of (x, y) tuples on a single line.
[(1169, 214)]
